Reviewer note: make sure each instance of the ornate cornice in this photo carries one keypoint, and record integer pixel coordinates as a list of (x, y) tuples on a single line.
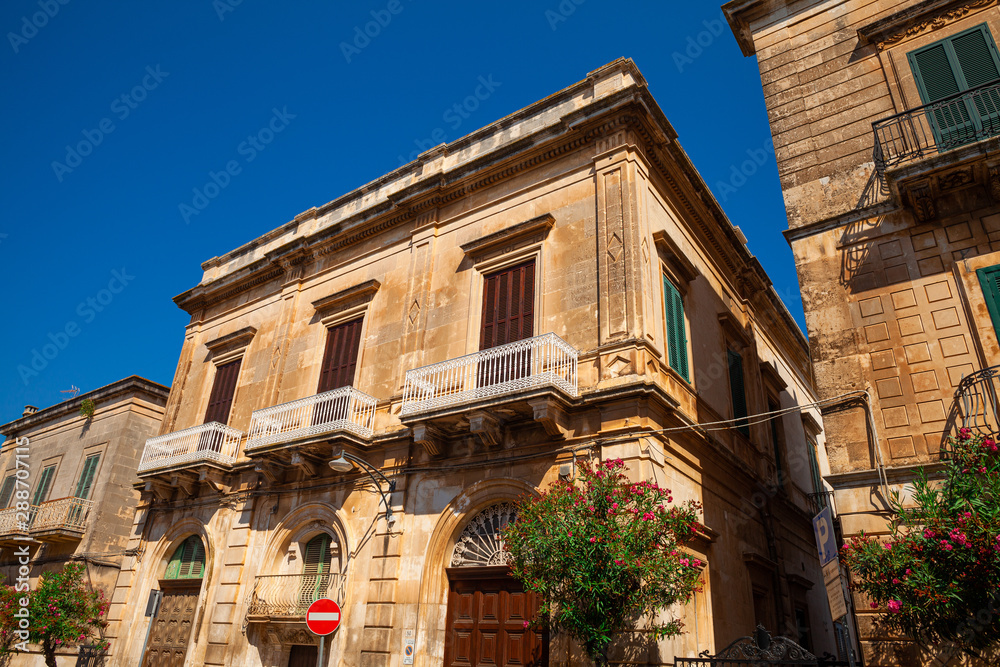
[(539, 226), (921, 18)]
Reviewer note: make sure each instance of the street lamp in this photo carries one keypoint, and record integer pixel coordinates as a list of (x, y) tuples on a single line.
[(346, 462)]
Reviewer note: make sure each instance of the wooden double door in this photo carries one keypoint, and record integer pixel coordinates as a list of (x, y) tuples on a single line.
[(171, 632), (487, 611)]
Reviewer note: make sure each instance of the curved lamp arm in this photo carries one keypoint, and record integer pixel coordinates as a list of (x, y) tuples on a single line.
[(376, 476)]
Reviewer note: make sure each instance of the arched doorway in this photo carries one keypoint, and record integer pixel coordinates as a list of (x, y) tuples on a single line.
[(181, 586), (487, 608)]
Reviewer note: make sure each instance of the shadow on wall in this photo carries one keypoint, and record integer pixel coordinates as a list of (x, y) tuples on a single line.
[(859, 269)]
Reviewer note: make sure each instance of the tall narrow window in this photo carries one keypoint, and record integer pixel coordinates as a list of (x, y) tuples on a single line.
[(673, 307), (316, 564), (777, 441), (340, 358), (738, 392), (958, 63), (223, 389), (508, 306), (6, 491), (44, 482), (817, 480), (87, 476), (188, 561)]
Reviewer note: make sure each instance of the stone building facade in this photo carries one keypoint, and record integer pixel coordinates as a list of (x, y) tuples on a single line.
[(81, 476), (558, 285), (888, 160)]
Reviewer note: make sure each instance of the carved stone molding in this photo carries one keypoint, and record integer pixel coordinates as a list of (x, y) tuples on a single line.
[(487, 428), (921, 199), (231, 342), (268, 471), (993, 180), (347, 299), (184, 482), (430, 438), (214, 479), (307, 467), (550, 415), (159, 489), (926, 16), (510, 239)]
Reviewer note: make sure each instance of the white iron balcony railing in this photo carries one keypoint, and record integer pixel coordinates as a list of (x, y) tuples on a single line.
[(63, 514), (289, 595), (14, 522), (212, 442), (344, 409), (545, 360)]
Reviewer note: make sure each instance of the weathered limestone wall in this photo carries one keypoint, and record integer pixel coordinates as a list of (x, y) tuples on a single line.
[(127, 413)]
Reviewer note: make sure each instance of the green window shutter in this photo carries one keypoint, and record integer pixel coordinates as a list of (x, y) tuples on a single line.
[(673, 307), (317, 557), (87, 476), (776, 443), (42, 490), (188, 561), (316, 564), (738, 392), (814, 467), (7, 491), (961, 62), (989, 281)]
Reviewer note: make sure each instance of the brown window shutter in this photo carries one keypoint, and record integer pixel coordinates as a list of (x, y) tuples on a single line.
[(221, 399), (340, 358), (508, 306)]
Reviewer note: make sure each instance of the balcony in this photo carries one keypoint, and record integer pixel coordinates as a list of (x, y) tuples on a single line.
[(976, 400), (522, 372), (345, 410), (286, 597), (928, 152), (212, 443), (12, 528), (62, 520)]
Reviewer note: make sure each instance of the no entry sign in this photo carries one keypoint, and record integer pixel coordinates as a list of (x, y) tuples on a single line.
[(323, 616)]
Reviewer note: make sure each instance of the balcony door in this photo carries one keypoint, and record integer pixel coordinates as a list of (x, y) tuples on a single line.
[(959, 63), (317, 562), (508, 316), (340, 361)]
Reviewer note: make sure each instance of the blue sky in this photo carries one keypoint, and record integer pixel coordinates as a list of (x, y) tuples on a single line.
[(151, 98)]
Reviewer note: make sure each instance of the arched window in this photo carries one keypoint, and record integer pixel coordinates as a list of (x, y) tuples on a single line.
[(317, 565), (188, 561), (481, 543)]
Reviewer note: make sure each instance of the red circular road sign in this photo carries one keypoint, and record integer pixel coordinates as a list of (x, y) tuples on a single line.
[(323, 616)]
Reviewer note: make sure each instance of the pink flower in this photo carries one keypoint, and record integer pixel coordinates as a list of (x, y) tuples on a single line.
[(895, 606), (571, 533), (618, 562), (874, 605), (614, 505), (887, 546), (928, 533), (696, 562), (593, 539), (684, 561), (895, 580), (909, 571), (525, 624)]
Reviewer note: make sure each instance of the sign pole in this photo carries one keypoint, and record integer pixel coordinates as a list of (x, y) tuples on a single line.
[(319, 659)]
